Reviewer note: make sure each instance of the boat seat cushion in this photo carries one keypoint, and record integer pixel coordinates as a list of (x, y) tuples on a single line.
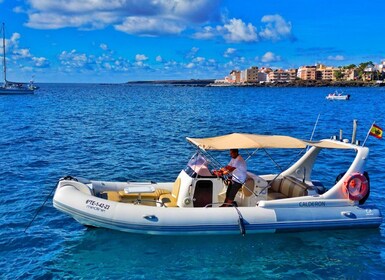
[(121, 196), (113, 196), (248, 187), (274, 187), (171, 199), (287, 187), (156, 194)]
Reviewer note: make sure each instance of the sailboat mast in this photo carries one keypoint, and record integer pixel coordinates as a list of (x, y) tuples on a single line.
[(4, 65)]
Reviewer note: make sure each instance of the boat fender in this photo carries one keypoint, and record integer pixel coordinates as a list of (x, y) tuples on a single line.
[(187, 201), (357, 186), (362, 201)]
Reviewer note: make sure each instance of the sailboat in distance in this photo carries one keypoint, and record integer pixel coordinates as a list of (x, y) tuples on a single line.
[(13, 88)]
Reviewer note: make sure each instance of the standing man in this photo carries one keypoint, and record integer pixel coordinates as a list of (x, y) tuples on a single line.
[(237, 169)]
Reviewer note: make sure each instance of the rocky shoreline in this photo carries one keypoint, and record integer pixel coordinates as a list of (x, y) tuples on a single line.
[(296, 83), (302, 83)]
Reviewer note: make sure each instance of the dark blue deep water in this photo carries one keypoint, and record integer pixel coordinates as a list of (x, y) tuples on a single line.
[(121, 132)]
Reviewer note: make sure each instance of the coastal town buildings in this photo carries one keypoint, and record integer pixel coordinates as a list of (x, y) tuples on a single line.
[(319, 72)]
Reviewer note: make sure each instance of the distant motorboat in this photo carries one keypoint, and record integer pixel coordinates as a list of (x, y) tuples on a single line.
[(14, 88), (337, 96)]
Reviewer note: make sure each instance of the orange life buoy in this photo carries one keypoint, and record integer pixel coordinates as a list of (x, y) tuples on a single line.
[(357, 186)]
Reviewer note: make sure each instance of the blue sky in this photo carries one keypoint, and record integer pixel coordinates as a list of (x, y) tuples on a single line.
[(125, 40)]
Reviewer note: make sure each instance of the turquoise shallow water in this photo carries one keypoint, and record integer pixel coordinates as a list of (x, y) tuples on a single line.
[(122, 132)]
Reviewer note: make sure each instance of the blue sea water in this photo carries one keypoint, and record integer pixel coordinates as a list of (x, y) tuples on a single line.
[(131, 132)]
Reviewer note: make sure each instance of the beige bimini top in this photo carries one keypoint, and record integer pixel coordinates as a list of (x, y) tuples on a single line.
[(256, 141)]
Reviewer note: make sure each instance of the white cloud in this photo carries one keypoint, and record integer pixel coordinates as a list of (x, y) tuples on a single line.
[(237, 62), (336, 58), (270, 57), (18, 9), (190, 65), (192, 53), (56, 20), (73, 59), (141, 57), (233, 31), (40, 62), (12, 43), (199, 59), (229, 52), (172, 15), (276, 28), (21, 53), (103, 46), (237, 31), (147, 26), (207, 33), (107, 66), (22, 56)]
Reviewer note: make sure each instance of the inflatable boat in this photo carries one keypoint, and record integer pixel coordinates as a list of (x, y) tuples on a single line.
[(288, 200)]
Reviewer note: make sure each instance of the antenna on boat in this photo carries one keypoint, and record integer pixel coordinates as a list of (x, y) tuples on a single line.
[(312, 134), (315, 126), (354, 131), (367, 135)]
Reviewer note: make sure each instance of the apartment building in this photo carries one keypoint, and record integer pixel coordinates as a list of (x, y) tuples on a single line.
[(279, 75), (250, 75), (234, 77), (292, 74), (325, 73), (263, 77), (350, 74), (307, 73)]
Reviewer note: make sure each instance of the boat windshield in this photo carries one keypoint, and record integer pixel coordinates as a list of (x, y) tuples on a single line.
[(198, 166)]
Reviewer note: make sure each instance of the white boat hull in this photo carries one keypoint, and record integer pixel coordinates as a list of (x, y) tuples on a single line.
[(307, 213), (338, 97), (15, 91), (288, 201)]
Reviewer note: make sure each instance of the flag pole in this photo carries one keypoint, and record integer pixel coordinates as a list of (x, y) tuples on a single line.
[(312, 134), (367, 135)]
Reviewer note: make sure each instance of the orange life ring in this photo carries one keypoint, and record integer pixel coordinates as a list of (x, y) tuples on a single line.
[(357, 186)]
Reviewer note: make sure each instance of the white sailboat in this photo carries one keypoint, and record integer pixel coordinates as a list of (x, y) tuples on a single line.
[(13, 88)]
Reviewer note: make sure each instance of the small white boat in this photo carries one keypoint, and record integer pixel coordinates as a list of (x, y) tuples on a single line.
[(337, 96), (13, 88), (290, 200)]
